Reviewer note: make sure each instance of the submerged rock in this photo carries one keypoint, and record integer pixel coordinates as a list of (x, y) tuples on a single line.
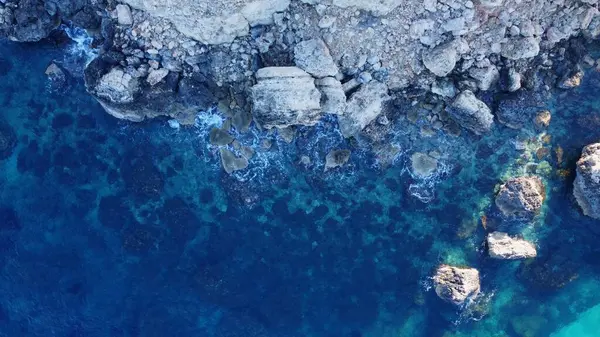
[(8, 139), (285, 96), (518, 109), (572, 80), (521, 197), (336, 158), (502, 246), (219, 137), (423, 165), (587, 182), (542, 119), (471, 113), (363, 107), (231, 162), (456, 284), (313, 57)]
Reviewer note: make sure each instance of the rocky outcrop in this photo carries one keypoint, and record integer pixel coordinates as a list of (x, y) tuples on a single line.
[(363, 107), (502, 246), (587, 182), (471, 113), (456, 284), (213, 22), (521, 197), (336, 158), (132, 96), (285, 96)]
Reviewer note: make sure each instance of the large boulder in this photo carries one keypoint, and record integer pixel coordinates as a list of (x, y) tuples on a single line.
[(423, 165), (587, 182), (471, 113), (521, 197), (441, 60), (333, 97), (363, 107), (502, 246), (313, 56), (285, 96), (520, 48), (456, 284)]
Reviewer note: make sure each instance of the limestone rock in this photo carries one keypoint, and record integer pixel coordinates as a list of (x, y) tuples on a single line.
[(521, 48), (423, 165), (521, 197), (456, 284), (514, 80), (55, 73), (363, 107), (502, 246), (156, 76), (219, 137), (333, 98), (587, 182), (518, 109), (231, 162), (336, 158), (118, 86), (378, 8), (471, 113), (124, 16), (285, 96), (443, 87), (572, 80), (485, 77), (441, 60), (313, 57)]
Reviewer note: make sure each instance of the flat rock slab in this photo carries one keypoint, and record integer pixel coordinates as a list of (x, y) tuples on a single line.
[(502, 246), (521, 197)]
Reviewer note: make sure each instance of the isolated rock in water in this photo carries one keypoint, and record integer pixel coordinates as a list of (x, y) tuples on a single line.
[(521, 197), (56, 75), (485, 77), (118, 86), (456, 284), (241, 120), (363, 107), (155, 76), (471, 113), (423, 165), (231, 162), (219, 137), (441, 59), (285, 96), (124, 16), (521, 48), (587, 182), (502, 246), (313, 56), (336, 158), (333, 98)]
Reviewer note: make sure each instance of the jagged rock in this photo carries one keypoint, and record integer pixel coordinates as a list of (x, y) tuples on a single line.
[(441, 59), (521, 48), (124, 16), (471, 113), (287, 134), (485, 77), (241, 120), (313, 57), (285, 96), (456, 284), (542, 119), (521, 197), (333, 98), (423, 165), (336, 158), (514, 80), (502, 246), (55, 73), (231, 162), (443, 87), (156, 76), (572, 80), (587, 182), (118, 87), (219, 137), (363, 107)]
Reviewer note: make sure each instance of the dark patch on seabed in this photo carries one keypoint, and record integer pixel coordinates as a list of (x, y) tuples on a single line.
[(109, 228)]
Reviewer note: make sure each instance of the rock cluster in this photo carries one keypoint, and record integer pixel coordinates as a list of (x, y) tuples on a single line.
[(502, 246), (521, 197), (587, 182), (456, 284)]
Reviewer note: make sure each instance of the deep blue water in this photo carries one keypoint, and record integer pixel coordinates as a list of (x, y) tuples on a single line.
[(109, 228)]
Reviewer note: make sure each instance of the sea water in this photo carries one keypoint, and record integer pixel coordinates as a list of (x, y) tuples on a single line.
[(111, 228)]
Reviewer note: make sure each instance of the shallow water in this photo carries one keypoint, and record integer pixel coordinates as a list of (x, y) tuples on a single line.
[(118, 229)]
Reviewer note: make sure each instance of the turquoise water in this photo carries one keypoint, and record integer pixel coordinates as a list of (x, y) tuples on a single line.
[(117, 229)]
